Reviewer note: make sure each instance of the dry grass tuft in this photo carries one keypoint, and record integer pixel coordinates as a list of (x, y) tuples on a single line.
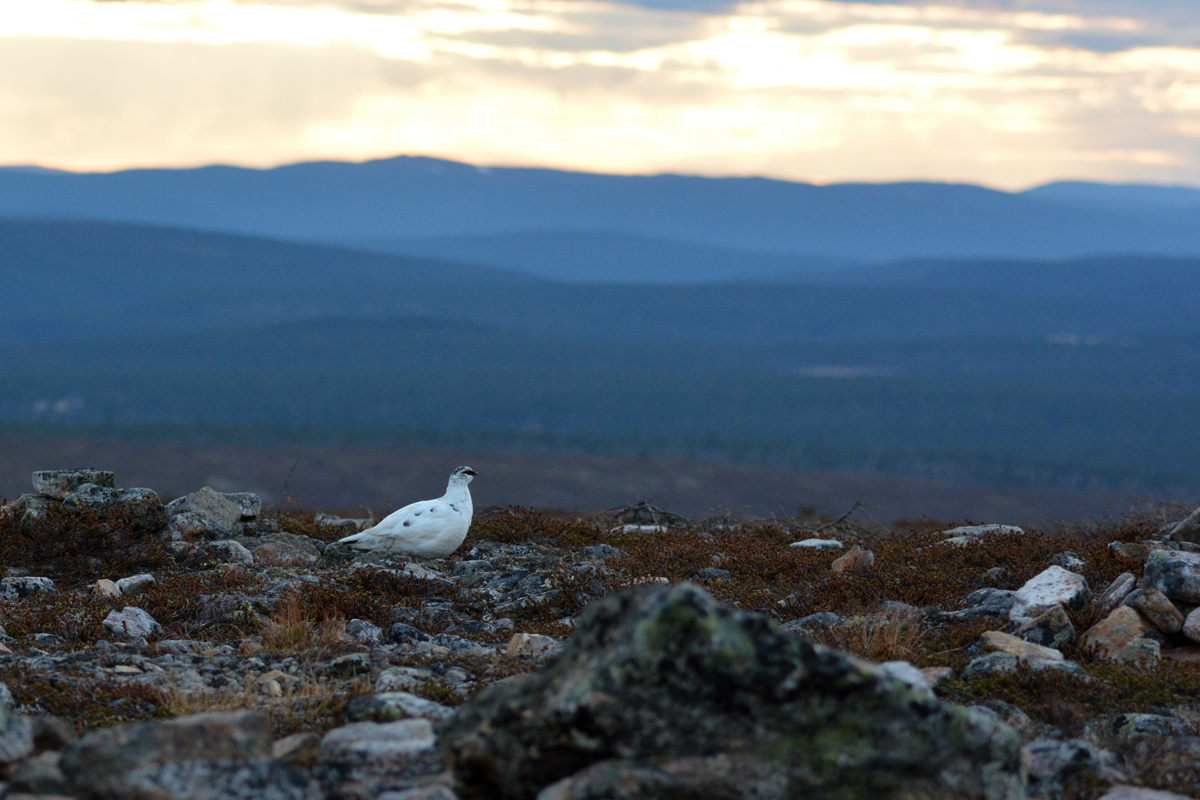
[(295, 627)]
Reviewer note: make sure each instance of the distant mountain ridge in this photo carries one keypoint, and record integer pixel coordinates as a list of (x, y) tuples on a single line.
[(411, 198)]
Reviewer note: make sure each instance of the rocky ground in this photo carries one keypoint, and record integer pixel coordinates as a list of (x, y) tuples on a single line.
[(207, 649)]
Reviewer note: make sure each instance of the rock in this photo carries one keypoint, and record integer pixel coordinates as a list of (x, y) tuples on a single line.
[(1140, 793), (1012, 716), (1156, 608), (964, 535), (364, 759), (205, 514), (997, 577), (364, 632), (42, 775), (1108, 637), (16, 736), (139, 508), (1002, 663), (402, 679), (532, 645), (1050, 629), (20, 588), (402, 633), (299, 749), (134, 583), (817, 621), (1173, 761), (33, 506), (61, 482), (1116, 592), (391, 706), (131, 622), (1069, 561), (202, 756), (1174, 573), (854, 561), (602, 551), (1146, 652), (1191, 625), (1057, 766), (1186, 530), (987, 602), (284, 550), (934, 676), (714, 574), (997, 641), (909, 675), (818, 544), (224, 551), (472, 567), (106, 588), (719, 777), (345, 666), (344, 526), (1128, 726), (248, 503), (649, 677), (1053, 586), (434, 791)]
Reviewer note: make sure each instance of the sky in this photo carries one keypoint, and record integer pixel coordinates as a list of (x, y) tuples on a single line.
[(1005, 94)]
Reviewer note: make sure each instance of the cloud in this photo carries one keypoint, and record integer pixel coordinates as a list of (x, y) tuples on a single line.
[(803, 89)]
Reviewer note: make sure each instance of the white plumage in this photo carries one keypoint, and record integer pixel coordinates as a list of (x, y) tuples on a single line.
[(428, 529)]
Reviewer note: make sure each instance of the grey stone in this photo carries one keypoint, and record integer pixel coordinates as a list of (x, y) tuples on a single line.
[(434, 791), (1122, 792), (364, 632), (713, 574), (602, 551), (61, 482), (1173, 760), (718, 777), (202, 756), (1002, 663), (139, 508), (1054, 765), (204, 514), (344, 526), (40, 775), (402, 679), (224, 551), (131, 622), (818, 544), (16, 736), (135, 583), (42, 640), (1050, 587), (33, 506), (285, 549), (987, 602), (472, 567), (344, 666), (248, 503), (20, 588), (821, 619), (650, 675), (364, 759), (1069, 561), (1146, 652), (1128, 726), (1116, 592), (1174, 573), (1052, 628), (392, 706)]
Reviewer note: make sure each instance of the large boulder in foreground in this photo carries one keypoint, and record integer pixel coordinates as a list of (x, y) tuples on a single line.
[(659, 680)]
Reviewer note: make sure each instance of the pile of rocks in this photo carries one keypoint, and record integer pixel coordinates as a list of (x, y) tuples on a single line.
[(654, 691)]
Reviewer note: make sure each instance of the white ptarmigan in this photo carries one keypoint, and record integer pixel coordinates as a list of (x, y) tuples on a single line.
[(428, 529)]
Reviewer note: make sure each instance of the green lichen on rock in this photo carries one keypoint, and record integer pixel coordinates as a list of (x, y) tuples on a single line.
[(659, 674)]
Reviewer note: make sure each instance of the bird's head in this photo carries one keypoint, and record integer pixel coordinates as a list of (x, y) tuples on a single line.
[(462, 475)]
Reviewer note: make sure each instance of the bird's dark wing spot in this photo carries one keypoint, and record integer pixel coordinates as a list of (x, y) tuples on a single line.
[(453, 507), (407, 522), (417, 514)]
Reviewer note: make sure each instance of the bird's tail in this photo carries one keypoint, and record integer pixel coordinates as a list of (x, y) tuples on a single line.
[(362, 540)]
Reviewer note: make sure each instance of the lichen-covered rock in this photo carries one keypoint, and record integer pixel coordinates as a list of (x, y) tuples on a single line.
[(16, 736), (134, 583), (1191, 625), (20, 588), (1056, 766), (856, 560), (392, 706), (61, 482), (364, 759), (1157, 609), (139, 508), (997, 641), (1054, 586), (205, 514), (224, 551), (248, 503), (532, 645), (1129, 726), (188, 758), (666, 673), (1108, 637), (1052, 628), (1174, 573)]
